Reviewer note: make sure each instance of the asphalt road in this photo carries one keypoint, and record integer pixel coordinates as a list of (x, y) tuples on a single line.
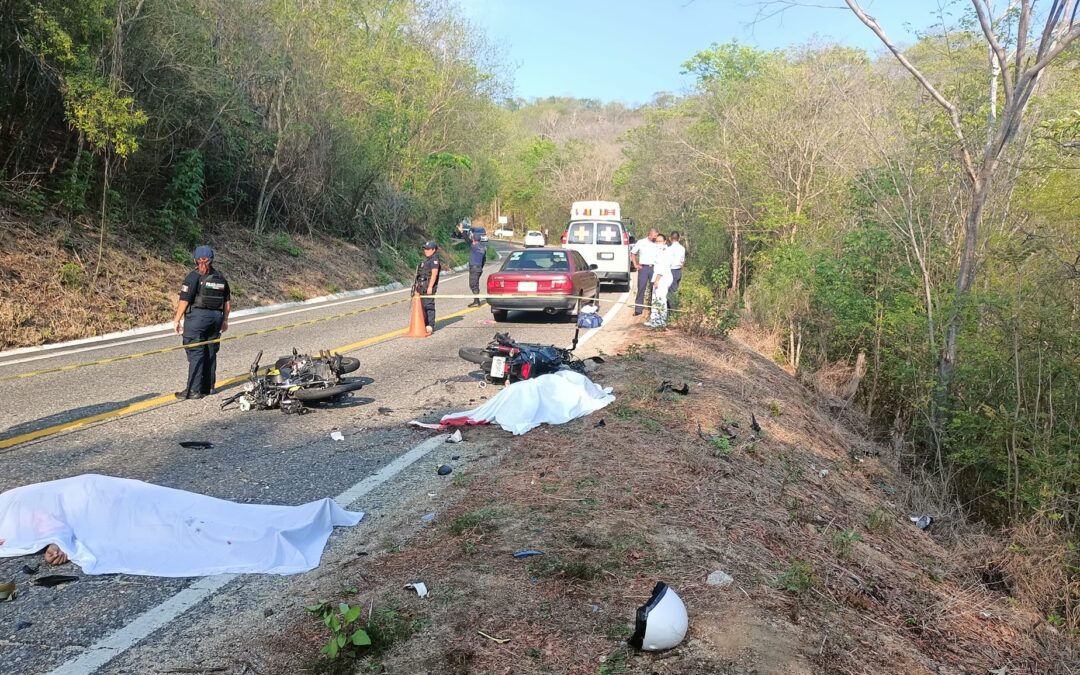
[(262, 457)]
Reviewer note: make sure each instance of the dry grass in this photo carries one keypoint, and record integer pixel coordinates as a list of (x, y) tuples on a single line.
[(831, 577)]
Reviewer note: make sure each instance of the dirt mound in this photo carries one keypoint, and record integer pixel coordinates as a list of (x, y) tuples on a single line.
[(830, 575)]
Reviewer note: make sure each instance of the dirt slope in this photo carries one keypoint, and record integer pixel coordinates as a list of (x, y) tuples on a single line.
[(830, 575), (48, 292)]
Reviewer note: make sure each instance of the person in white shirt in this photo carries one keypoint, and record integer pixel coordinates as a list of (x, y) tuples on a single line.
[(678, 259), (661, 283), (643, 255)]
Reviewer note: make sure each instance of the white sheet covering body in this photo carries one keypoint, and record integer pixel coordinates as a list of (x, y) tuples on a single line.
[(108, 525), (549, 399)]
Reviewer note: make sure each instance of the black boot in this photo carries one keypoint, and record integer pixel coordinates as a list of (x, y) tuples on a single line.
[(475, 303), (182, 394)]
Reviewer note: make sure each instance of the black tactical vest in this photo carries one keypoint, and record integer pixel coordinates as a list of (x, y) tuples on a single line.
[(211, 291)]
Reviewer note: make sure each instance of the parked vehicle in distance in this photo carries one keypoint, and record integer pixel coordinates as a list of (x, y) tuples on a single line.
[(596, 231), (553, 279), (535, 238), (503, 232), (478, 230)]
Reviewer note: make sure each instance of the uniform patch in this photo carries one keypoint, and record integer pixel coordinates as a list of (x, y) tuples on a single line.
[(184, 288), (214, 285)]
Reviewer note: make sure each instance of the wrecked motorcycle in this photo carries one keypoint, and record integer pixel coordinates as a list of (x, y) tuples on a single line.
[(295, 380), (505, 360)]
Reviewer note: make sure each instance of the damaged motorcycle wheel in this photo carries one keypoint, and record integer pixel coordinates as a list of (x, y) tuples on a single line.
[(326, 393), (476, 355)]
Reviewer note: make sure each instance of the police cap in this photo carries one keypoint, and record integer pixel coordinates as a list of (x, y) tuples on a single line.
[(432, 245)]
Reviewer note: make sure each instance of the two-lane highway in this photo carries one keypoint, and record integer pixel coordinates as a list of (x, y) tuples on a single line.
[(258, 456)]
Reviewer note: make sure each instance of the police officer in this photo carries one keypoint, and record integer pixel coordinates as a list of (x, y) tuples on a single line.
[(427, 283), (204, 313), (477, 258)]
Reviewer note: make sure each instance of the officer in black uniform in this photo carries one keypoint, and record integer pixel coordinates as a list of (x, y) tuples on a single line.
[(477, 258), (427, 282), (204, 312)]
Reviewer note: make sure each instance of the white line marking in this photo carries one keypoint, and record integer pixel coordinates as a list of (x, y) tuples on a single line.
[(122, 639), (607, 317)]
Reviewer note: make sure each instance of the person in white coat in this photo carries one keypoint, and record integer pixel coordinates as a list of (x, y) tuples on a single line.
[(661, 282)]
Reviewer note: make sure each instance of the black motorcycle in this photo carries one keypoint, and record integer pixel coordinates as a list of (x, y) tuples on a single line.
[(295, 380), (504, 360)]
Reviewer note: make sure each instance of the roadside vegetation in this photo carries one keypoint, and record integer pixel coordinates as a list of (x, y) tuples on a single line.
[(908, 251)]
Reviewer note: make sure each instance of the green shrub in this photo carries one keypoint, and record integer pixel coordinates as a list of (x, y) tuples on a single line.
[(797, 578), (281, 242), (71, 275)]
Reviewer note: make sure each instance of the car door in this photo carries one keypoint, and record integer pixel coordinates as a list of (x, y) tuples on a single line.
[(585, 282)]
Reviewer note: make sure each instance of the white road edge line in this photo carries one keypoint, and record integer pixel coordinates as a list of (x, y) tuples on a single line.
[(607, 317), (122, 639)]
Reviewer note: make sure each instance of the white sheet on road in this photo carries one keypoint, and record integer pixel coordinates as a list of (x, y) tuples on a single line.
[(109, 525), (549, 399)]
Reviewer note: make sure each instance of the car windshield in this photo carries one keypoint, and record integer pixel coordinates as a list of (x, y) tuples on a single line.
[(533, 233), (538, 260), (579, 233)]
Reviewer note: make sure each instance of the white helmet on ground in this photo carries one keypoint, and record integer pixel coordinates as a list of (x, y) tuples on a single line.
[(661, 622)]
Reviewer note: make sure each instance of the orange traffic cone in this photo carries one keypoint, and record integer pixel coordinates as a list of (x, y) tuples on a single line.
[(416, 321)]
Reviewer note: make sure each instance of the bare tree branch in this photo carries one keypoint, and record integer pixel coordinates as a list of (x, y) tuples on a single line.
[(954, 113)]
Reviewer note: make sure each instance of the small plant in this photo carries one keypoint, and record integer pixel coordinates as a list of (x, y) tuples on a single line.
[(480, 520), (462, 480), (879, 520), (615, 662), (553, 565), (797, 578), (844, 541), (181, 256), (721, 446), (774, 409), (1055, 619), (283, 243), (71, 275), (637, 351), (388, 626), (591, 481), (623, 412), (296, 294), (344, 639), (332, 289)]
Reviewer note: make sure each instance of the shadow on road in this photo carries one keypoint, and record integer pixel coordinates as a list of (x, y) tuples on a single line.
[(70, 415)]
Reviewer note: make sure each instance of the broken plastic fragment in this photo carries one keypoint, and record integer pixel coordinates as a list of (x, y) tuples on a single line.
[(196, 445), (444, 470), (454, 437), (921, 522), (428, 518), (336, 435), (420, 587), (661, 622), (53, 580), (7, 591), (527, 553)]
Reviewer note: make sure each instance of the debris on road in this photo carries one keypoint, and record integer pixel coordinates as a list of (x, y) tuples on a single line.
[(661, 622), (444, 470), (719, 578), (30, 569), (418, 586), (600, 424), (7, 591), (754, 426), (455, 437), (667, 386), (337, 436), (921, 522), (527, 553), (428, 517), (494, 639), (51, 580), (385, 411), (196, 445)]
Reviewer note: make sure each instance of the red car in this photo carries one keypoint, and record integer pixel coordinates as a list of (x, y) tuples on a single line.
[(554, 280)]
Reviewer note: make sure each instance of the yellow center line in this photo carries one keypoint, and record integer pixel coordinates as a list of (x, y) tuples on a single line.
[(164, 399)]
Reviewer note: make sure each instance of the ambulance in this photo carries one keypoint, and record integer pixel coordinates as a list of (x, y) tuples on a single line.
[(599, 233)]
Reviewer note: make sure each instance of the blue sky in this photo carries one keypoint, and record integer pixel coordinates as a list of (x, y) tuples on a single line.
[(630, 49)]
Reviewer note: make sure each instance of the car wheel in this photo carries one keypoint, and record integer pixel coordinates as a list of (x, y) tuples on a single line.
[(499, 315)]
